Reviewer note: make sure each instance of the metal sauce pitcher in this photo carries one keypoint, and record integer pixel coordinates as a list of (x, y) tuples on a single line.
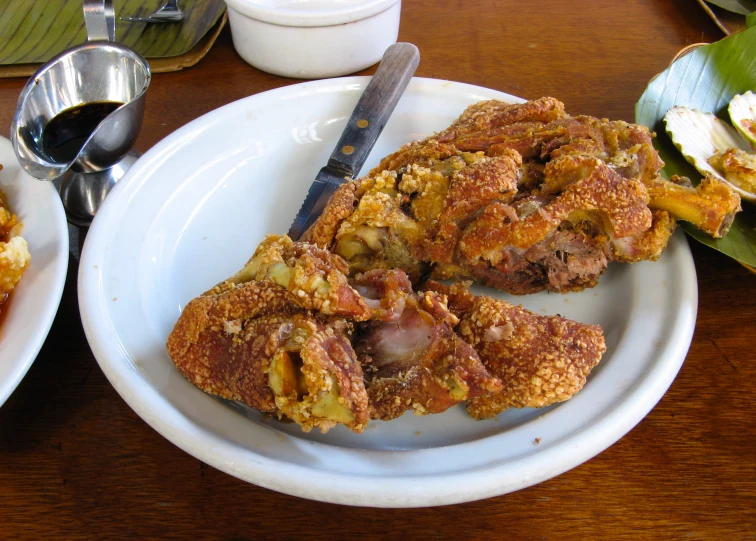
[(97, 71)]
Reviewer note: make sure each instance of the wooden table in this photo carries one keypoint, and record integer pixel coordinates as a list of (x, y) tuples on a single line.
[(75, 461)]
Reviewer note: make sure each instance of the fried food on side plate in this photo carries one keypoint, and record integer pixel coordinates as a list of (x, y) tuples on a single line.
[(14, 252), (519, 197), (291, 335)]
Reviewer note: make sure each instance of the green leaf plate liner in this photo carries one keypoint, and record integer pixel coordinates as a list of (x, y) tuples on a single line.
[(706, 79), (34, 32)]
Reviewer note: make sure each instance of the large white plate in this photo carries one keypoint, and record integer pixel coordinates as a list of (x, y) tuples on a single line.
[(191, 211), (32, 307)]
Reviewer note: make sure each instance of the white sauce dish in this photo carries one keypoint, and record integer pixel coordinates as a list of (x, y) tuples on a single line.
[(309, 39)]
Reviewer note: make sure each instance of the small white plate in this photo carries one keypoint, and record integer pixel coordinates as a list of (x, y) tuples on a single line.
[(191, 211), (32, 307)]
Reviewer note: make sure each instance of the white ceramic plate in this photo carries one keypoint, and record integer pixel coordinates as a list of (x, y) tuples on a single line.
[(32, 307), (190, 213)]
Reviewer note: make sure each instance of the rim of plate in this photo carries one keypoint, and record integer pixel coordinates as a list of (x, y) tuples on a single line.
[(52, 280), (407, 490)]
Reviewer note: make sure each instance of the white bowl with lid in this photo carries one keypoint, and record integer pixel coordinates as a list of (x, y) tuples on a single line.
[(310, 39)]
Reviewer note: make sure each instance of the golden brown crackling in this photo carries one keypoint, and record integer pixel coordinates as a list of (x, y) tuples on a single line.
[(619, 203), (328, 360), (471, 189), (232, 360), (222, 363), (246, 301), (486, 180), (629, 149), (540, 360), (315, 278), (340, 206), (586, 170), (421, 153), (225, 339), (649, 244), (491, 114), (380, 210)]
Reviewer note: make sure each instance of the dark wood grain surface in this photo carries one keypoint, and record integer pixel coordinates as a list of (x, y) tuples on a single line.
[(76, 462)]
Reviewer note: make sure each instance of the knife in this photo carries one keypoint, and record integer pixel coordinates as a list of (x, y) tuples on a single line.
[(362, 130)]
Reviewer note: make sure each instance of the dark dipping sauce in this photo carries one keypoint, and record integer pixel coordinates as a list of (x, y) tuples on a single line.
[(67, 132)]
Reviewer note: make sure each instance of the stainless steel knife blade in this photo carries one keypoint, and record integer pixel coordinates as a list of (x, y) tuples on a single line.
[(318, 195), (362, 130)]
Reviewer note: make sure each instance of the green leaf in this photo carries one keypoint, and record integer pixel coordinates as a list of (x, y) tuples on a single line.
[(705, 79), (751, 20), (36, 35), (744, 7)]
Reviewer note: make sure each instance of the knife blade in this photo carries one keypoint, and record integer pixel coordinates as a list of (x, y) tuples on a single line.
[(368, 119)]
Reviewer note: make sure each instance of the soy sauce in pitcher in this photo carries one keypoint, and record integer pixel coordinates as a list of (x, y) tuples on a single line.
[(66, 133)]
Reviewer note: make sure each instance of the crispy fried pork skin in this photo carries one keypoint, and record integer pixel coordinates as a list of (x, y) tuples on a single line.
[(278, 336), (314, 278), (540, 360), (464, 218), (521, 197), (410, 354), (275, 337), (291, 335)]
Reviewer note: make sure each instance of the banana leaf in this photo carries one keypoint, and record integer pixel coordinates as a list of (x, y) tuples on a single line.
[(34, 32), (727, 21), (743, 7), (705, 79)]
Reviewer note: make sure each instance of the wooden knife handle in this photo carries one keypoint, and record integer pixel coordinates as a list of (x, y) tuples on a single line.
[(374, 108)]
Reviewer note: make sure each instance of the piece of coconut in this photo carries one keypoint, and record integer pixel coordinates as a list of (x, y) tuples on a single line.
[(742, 111), (700, 136)]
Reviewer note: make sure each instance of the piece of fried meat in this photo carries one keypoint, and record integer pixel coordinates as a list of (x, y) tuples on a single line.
[(292, 335), (520, 197)]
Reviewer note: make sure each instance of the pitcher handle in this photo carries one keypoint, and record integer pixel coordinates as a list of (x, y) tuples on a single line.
[(99, 18)]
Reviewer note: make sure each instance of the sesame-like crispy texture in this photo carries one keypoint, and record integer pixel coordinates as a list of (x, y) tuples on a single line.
[(649, 244), (477, 120), (330, 370), (471, 189), (522, 197), (314, 277), (220, 363), (282, 306), (234, 363), (620, 204), (540, 360), (488, 115), (254, 338), (540, 131), (340, 206)]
